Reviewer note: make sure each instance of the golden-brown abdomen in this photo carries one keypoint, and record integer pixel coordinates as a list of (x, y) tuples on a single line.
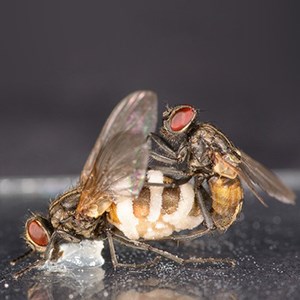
[(227, 195)]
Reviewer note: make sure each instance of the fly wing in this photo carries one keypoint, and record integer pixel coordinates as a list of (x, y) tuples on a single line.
[(118, 162), (255, 174), (136, 113)]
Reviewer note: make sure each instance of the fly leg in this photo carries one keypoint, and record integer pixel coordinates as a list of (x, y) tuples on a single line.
[(114, 258), (199, 193), (20, 273), (202, 197), (189, 236), (164, 185), (170, 157), (163, 145), (168, 255), (58, 237), (21, 257), (158, 184), (164, 159), (167, 155), (146, 247), (180, 177), (29, 267), (112, 250)]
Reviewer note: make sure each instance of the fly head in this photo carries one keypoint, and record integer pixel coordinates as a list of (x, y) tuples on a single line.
[(38, 232), (178, 122)]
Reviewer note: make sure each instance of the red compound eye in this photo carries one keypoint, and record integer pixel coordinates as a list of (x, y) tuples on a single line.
[(182, 118), (37, 233)]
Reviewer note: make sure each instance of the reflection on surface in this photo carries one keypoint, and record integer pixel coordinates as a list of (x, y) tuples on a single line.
[(166, 280), (52, 288), (162, 294), (75, 284), (92, 283)]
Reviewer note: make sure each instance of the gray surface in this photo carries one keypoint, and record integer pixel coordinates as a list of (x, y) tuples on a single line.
[(265, 242)]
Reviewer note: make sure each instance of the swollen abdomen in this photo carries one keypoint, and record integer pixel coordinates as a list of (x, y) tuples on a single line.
[(157, 212)]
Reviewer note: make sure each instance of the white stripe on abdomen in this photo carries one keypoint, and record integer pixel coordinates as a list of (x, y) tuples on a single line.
[(156, 225), (155, 195)]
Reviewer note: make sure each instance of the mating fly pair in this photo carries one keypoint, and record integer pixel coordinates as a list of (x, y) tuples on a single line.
[(119, 198)]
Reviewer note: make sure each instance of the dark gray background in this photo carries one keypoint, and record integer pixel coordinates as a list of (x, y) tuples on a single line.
[(64, 66)]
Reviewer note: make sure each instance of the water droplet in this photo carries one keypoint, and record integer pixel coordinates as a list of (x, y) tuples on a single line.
[(256, 225), (276, 220)]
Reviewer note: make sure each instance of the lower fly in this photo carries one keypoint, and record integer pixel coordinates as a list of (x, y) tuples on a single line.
[(116, 199)]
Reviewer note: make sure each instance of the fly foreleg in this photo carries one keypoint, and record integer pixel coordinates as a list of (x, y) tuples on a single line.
[(171, 157), (163, 145), (21, 257), (58, 237), (180, 177), (163, 159)]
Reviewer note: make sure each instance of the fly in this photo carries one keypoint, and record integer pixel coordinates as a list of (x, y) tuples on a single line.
[(187, 148), (116, 168)]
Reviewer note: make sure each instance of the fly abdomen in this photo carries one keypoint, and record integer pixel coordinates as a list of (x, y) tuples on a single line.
[(227, 199), (158, 211)]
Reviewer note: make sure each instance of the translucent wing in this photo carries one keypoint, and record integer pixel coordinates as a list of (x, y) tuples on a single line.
[(118, 162), (255, 174)]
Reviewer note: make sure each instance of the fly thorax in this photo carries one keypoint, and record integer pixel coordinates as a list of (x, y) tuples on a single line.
[(62, 209), (199, 153), (63, 216), (88, 227)]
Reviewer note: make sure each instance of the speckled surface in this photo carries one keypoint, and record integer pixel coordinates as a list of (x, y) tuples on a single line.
[(265, 243)]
